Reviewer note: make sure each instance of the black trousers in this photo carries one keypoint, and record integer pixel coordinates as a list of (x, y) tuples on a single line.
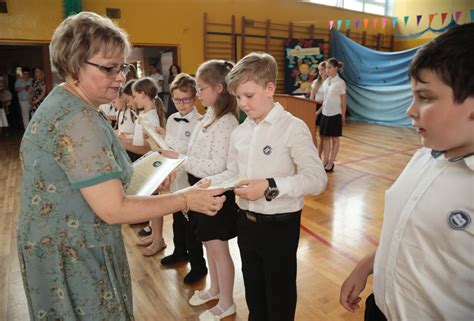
[(184, 239), (372, 312), (268, 253)]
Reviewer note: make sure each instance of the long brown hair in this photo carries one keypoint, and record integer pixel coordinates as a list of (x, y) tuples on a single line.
[(213, 72), (148, 86)]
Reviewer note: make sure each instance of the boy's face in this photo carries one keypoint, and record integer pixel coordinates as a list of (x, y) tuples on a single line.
[(183, 100), (255, 100), (443, 124)]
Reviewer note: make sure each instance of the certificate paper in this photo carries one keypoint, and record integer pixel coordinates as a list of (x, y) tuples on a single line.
[(149, 171), (155, 140)]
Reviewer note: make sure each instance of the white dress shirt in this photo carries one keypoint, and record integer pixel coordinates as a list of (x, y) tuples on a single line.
[(333, 88), (178, 134), (208, 146), (125, 124), (279, 147), (424, 265), (319, 96), (152, 117)]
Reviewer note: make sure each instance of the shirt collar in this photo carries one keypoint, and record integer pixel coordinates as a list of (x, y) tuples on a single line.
[(190, 115), (271, 117), (468, 159)]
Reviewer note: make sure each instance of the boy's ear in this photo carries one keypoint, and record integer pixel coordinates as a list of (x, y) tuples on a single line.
[(270, 89)]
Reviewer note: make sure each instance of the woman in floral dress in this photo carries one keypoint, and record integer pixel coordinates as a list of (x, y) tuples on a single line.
[(70, 246)]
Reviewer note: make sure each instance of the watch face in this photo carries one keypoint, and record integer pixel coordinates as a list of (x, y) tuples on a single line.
[(272, 193)]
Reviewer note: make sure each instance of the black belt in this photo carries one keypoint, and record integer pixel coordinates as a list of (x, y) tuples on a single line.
[(263, 218)]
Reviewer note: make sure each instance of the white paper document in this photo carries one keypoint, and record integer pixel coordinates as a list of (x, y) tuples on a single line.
[(149, 171), (155, 140)]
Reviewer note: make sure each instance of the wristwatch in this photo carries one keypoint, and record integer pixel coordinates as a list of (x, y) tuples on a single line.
[(272, 191)]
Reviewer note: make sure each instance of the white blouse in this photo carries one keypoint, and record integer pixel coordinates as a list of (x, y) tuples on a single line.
[(207, 149), (152, 117)]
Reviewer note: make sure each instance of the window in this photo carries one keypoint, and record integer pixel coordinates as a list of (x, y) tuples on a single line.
[(3, 6), (380, 7)]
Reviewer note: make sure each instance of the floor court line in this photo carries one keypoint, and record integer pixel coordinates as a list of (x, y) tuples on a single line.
[(377, 156)]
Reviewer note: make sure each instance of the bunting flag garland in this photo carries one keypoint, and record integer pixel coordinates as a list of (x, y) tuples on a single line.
[(406, 20), (384, 22), (418, 19), (366, 23), (394, 22), (375, 22), (348, 24), (431, 18), (331, 24), (457, 16), (443, 17), (339, 24), (357, 21)]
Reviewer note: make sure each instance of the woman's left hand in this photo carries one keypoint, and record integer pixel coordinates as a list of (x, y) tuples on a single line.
[(169, 153), (252, 189)]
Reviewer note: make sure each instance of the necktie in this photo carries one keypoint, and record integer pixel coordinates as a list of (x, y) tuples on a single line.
[(178, 119)]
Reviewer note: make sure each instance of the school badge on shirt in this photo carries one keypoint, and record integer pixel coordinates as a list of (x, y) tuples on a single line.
[(267, 150), (459, 220), (187, 133)]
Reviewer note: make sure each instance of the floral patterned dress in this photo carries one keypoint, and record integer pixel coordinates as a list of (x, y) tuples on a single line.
[(73, 264)]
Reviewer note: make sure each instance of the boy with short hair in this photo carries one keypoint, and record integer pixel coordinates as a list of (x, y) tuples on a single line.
[(179, 128), (275, 152), (423, 267)]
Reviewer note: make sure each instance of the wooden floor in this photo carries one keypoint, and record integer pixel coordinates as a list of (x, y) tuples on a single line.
[(338, 228)]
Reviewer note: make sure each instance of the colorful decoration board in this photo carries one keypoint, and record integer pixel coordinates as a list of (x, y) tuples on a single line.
[(302, 58)]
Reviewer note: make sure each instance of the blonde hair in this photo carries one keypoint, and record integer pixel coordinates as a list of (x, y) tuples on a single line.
[(81, 36), (214, 72), (259, 67), (184, 82)]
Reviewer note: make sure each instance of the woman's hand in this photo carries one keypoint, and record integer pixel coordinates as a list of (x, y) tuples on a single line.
[(203, 200), (169, 153), (252, 189), (167, 182)]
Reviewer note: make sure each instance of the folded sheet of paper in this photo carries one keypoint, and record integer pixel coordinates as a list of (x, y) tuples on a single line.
[(149, 171), (155, 140), (227, 185)]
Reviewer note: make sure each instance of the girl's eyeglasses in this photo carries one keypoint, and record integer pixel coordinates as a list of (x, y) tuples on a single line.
[(111, 72)]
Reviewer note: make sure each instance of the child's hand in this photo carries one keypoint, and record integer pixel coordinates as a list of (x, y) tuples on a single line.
[(169, 153), (251, 190), (161, 131), (167, 182), (351, 289)]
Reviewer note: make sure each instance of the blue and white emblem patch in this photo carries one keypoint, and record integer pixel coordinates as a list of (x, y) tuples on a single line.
[(267, 150), (187, 133), (157, 164), (459, 220)]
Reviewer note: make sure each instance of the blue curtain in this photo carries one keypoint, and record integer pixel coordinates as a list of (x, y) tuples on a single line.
[(378, 87)]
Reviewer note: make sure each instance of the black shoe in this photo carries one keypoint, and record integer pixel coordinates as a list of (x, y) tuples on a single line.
[(195, 275), (146, 231), (174, 258)]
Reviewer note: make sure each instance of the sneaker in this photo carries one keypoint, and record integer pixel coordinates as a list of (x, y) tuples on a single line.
[(174, 258), (146, 231), (195, 275)]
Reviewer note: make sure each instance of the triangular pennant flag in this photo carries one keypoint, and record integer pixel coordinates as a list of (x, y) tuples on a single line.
[(357, 20), (384, 22), (394, 22), (406, 20), (458, 15), (348, 24), (366, 23), (418, 19), (375, 22), (431, 18), (339, 24), (331, 24), (443, 17), (472, 15)]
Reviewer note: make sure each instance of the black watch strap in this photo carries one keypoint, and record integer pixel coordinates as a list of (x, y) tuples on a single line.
[(271, 183)]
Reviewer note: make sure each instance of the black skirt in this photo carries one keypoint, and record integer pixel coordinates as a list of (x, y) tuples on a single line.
[(331, 125), (222, 226), (318, 117)]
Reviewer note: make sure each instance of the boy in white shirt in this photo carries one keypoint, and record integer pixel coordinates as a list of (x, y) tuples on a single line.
[(423, 267), (275, 152), (179, 128)]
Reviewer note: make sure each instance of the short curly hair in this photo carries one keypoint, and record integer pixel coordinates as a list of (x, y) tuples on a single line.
[(184, 82), (81, 36)]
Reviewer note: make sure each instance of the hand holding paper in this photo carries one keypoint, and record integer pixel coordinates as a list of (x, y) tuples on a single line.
[(252, 189)]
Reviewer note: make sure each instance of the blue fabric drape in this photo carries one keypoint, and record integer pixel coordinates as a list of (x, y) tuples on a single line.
[(378, 86)]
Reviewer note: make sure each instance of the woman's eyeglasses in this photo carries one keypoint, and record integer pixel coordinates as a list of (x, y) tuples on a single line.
[(186, 100), (111, 72)]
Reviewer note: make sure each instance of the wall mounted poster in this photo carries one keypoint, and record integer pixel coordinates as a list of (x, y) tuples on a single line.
[(301, 64)]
